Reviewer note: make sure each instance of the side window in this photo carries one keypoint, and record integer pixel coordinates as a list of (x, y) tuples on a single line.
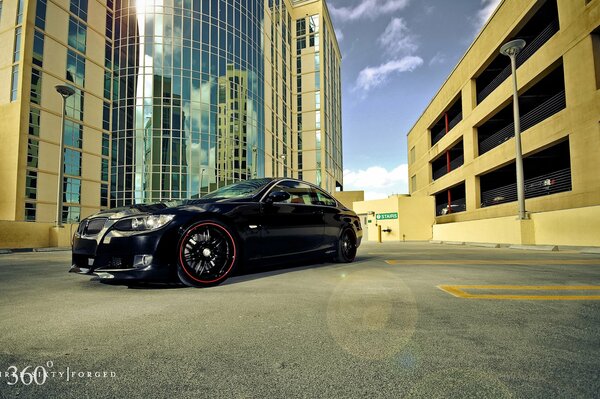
[(299, 193), (324, 199)]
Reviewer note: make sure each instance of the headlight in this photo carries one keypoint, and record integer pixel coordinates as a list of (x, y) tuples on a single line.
[(143, 223)]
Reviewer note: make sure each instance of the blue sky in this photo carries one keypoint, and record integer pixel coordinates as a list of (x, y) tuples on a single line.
[(396, 54)]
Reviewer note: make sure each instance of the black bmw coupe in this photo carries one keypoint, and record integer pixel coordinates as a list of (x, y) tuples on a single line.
[(201, 242)]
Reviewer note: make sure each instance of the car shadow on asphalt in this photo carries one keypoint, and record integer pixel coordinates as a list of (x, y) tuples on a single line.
[(254, 272)]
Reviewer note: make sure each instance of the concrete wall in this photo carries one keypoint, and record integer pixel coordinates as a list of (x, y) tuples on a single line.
[(348, 198), (577, 227), (415, 217), (34, 235)]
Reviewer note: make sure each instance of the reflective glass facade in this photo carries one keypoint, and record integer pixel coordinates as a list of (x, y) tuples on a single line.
[(173, 99), (188, 88)]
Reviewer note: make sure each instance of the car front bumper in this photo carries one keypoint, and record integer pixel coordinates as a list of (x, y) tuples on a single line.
[(115, 258)]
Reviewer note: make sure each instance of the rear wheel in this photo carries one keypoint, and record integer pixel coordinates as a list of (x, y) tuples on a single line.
[(346, 246), (207, 254)]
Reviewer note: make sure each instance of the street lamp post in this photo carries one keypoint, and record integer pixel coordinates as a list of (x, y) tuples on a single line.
[(511, 49), (65, 92), (283, 165)]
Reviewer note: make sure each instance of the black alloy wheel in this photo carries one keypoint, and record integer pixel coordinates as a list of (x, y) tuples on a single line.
[(207, 254), (346, 251)]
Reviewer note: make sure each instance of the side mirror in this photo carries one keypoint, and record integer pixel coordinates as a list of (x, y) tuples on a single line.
[(277, 196)]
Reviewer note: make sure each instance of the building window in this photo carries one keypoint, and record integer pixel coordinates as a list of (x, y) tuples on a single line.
[(107, 84), (71, 214), (596, 54), (72, 162), (413, 183), (34, 122), (104, 195), (104, 172), (413, 156), (40, 14), (72, 190), (36, 86), (106, 116), (33, 149), (17, 48), (74, 105), (38, 49), (105, 144), (77, 34), (79, 8), (30, 211), (20, 6), (75, 68), (14, 83), (73, 134), (31, 184)]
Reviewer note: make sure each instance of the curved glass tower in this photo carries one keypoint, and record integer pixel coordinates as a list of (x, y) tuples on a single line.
[(188, 110)]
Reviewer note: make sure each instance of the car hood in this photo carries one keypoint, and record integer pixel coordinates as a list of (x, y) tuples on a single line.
[(142, 209)]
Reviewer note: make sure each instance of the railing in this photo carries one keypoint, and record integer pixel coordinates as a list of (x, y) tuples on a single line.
[(543, 111), (455, 163), (455, 121), (523, 56), (439, 172), (458, 205), (550, 183), (435, 137)]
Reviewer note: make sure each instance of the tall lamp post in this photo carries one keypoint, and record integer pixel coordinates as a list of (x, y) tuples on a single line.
[(65, 92), (511, 49)]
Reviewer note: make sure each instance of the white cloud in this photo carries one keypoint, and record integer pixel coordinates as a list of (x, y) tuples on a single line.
[(367, 9), (488, 7), (438, 59), (377, 182), (397, 38), (339, 34), (371, 77)]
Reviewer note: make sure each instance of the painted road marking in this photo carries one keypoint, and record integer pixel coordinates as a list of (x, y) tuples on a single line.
[(458, 291), (494, 262)]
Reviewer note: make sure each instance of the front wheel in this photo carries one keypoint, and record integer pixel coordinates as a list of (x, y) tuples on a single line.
[(207, 254), (346, 246)]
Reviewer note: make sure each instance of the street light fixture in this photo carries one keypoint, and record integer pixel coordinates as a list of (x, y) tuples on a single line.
[(65, 92), (511, 49)]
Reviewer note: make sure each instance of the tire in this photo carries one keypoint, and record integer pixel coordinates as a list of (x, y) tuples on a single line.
[(346, 246), (207, 254)]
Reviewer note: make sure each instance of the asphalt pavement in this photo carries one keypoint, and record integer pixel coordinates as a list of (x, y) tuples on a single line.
[(507, 324)]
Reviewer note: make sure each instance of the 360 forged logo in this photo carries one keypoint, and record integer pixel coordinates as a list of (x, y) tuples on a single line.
[(40, 374)]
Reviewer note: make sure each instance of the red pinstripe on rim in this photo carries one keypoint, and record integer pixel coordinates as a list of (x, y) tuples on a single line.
[(183, 264)]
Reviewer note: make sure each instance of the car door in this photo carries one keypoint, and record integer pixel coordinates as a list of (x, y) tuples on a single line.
[(293, 226), (332, 222)]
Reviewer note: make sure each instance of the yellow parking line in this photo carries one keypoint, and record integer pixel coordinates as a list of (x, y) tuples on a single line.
[(458, 291), (493, 262)]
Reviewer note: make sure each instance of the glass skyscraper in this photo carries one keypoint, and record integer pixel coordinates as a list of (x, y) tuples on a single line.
[(174, 98)]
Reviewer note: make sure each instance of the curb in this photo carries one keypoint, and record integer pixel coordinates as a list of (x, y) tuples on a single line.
[(483, 244), (25, 250), (591, 250), (535, 247)]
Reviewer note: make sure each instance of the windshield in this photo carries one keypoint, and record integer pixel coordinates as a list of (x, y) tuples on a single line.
[(246, 188)]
